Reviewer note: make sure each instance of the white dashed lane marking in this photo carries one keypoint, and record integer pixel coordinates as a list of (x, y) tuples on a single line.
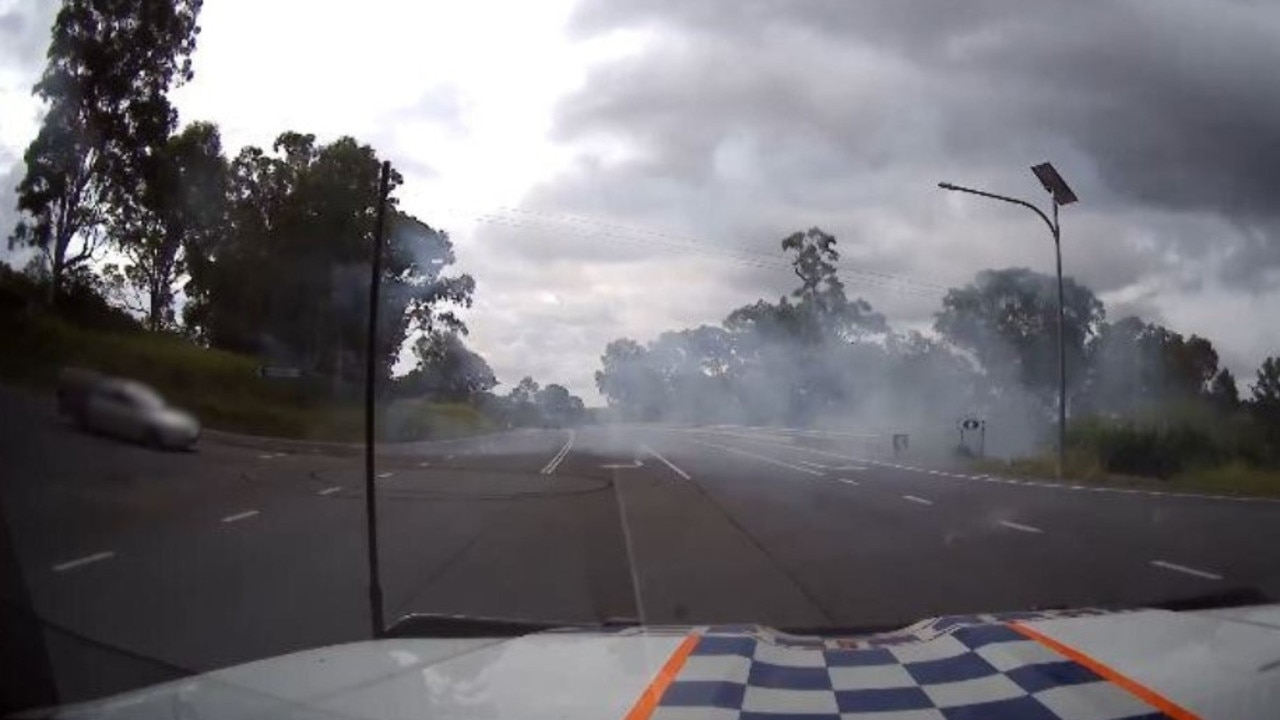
[(240, 516), (918, 500), (1186, 570), (385, 475), (1020, 527), (847, 481), (330, 490), (81, 561)]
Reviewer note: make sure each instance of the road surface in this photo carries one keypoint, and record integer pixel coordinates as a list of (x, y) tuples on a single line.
[(142, 566)]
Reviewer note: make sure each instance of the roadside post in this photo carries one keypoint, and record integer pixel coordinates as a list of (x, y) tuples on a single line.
[(974, 425)]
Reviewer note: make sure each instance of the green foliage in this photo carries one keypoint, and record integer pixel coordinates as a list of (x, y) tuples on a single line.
[(1008, 320), (1192, 436), (1135, 366), (223, 389), (110, 67), (288, 278), (180, 211), (1266, 387), (530, 405), (1223, 390), (82, 299), (447, 370)]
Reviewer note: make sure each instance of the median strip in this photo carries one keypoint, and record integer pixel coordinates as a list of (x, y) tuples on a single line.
[(87, 559), (240, 516), (919, 500), (1186, 570), (1020, 527)]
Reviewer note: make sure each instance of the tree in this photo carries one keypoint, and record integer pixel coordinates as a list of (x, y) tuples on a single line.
[(1223, 390), (558, 407), (1135, 365), (447, 370), (288, 279), (110, 67), (1007, 319), (525, 391), (1266, 387), (818, 310), (629, 382), (179, 213), (522, 403)]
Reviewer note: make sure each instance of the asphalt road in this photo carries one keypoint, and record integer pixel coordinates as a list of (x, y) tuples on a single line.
[(142, 566)]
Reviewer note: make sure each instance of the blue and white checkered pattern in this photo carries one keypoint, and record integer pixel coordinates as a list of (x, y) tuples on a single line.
[(983, 671)]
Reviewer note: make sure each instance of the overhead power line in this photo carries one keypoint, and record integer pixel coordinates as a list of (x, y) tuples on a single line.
[(589, 228)]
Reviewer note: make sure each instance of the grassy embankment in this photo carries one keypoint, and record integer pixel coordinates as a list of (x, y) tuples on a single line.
[(223, 389), (1184, 449)]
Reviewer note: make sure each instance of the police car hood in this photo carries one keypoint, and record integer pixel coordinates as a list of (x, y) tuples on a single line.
[(1079, 664)]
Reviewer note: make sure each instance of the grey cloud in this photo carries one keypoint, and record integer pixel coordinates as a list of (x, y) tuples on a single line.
[(24, 33), (10, 176), (1160, 105)]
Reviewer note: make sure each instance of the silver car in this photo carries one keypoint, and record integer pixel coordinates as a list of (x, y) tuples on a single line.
[(132, 410)]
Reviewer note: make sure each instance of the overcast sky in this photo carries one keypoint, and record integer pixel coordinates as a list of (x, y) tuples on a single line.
[(626, 167)]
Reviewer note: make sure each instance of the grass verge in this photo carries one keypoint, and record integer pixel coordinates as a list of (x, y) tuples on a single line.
[(223, 389), (1235, 478)]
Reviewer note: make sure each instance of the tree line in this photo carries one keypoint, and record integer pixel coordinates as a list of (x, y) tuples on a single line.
[(816, 357), (264, 252)]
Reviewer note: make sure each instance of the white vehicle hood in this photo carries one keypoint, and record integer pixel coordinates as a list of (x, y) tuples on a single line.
[(1083, 664)]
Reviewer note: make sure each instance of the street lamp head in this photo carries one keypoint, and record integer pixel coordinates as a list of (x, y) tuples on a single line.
[(946, 186), (1054, 184)]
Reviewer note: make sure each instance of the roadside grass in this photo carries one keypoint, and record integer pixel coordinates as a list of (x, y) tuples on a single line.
[(223, 389), (1234, 478)]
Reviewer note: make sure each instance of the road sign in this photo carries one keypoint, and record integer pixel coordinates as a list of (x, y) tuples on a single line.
[(277, 372)]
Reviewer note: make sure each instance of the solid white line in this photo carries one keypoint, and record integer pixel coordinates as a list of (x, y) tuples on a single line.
[(71, 564), (914, 499), (632, 563), (666, 462), (240, 516), (1184, 569), (761, 458), (554, 463), (330, 490), (1019, 526)]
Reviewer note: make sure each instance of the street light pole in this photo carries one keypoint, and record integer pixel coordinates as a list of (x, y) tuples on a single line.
[(1062, 195), (1062, 347)]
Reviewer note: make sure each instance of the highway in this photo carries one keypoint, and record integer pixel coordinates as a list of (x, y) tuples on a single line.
[(143, 565)]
